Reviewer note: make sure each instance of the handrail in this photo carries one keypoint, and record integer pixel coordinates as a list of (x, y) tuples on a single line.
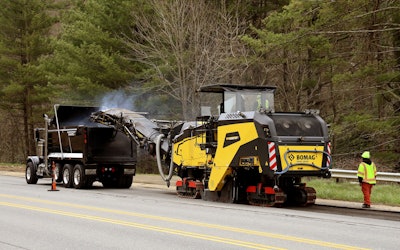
[(289, 165), (352, 174)]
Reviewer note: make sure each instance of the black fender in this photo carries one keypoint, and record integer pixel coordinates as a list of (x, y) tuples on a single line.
[(35, 161)]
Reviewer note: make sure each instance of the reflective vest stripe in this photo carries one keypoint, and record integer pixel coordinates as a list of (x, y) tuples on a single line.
[(368, 176)]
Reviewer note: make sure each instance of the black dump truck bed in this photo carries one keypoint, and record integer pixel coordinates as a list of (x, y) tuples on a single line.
[(97, 142), (83, 151)]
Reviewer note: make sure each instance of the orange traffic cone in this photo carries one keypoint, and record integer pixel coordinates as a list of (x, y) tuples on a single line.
[(53, 178)]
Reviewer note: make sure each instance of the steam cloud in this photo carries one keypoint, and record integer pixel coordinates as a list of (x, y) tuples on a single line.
[(117, 99)]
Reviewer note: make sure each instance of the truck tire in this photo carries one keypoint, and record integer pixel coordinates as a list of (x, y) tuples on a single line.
[(78, 177), (30, 174), (67, 176), (125, 181)]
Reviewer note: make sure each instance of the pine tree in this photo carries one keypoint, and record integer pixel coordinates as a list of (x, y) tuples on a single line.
[(25, 40), (348, 71), (89, 54)]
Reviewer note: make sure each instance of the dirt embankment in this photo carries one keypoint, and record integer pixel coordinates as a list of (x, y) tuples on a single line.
[(12, 167)]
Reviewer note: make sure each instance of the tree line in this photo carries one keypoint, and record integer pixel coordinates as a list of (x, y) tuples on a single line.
[(341, 57)]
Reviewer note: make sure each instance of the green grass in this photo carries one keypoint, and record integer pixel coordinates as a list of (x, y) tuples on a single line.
[(386, 194)]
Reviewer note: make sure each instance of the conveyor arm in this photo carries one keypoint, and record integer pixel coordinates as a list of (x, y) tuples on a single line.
[(140, 130)]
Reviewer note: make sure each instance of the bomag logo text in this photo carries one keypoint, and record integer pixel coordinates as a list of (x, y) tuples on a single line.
[(305, 157)]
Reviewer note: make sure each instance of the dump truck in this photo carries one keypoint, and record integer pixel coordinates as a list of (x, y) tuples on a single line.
[(77, 152), (239, 150)]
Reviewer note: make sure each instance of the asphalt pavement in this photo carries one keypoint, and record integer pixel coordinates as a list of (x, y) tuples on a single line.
[(155, 181)]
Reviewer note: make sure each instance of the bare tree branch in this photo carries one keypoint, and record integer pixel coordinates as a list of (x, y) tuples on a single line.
[(187, 44)]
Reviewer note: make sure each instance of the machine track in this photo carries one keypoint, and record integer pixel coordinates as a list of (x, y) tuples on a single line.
[(267, 200), (268, 197), (189, 189)]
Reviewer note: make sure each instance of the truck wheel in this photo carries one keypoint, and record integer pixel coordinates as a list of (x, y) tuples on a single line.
[(78, 177), (30, 174), (125, 181), (67, 175), (59, 176)]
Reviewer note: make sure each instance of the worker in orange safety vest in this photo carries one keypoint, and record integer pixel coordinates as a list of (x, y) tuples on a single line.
[(367, 177)]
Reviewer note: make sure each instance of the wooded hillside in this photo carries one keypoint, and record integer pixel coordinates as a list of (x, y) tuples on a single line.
[(341, 57)]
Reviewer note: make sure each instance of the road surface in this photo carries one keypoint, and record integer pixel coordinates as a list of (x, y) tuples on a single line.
[(150, 217)]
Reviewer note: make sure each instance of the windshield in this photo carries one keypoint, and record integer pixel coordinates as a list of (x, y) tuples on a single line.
[(211, 104), (229, 100), (248, 101)]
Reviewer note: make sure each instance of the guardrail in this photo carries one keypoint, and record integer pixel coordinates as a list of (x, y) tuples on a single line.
[(352, 174)]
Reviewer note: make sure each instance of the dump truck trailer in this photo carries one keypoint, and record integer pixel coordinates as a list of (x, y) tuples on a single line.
[(77, 152)]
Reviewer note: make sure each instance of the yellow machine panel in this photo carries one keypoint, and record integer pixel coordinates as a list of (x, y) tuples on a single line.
[(303, 158), (188, 152), (230, 138)]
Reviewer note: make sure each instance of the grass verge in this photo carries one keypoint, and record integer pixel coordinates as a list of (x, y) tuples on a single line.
[(12, 167), (382, 193)]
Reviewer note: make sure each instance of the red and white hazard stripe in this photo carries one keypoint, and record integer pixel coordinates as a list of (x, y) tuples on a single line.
[(272, 156), (328, 159)]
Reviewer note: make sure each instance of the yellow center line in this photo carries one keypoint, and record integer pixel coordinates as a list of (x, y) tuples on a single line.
[(144, 226), (194, 223)]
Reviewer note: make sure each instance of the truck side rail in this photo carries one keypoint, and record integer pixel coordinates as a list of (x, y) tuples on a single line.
[(62, 155)]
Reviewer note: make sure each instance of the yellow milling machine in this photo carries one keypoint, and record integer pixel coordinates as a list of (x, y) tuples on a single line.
[(239, 150)]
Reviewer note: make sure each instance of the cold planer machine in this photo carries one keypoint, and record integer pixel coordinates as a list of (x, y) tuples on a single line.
[(239, 150)]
